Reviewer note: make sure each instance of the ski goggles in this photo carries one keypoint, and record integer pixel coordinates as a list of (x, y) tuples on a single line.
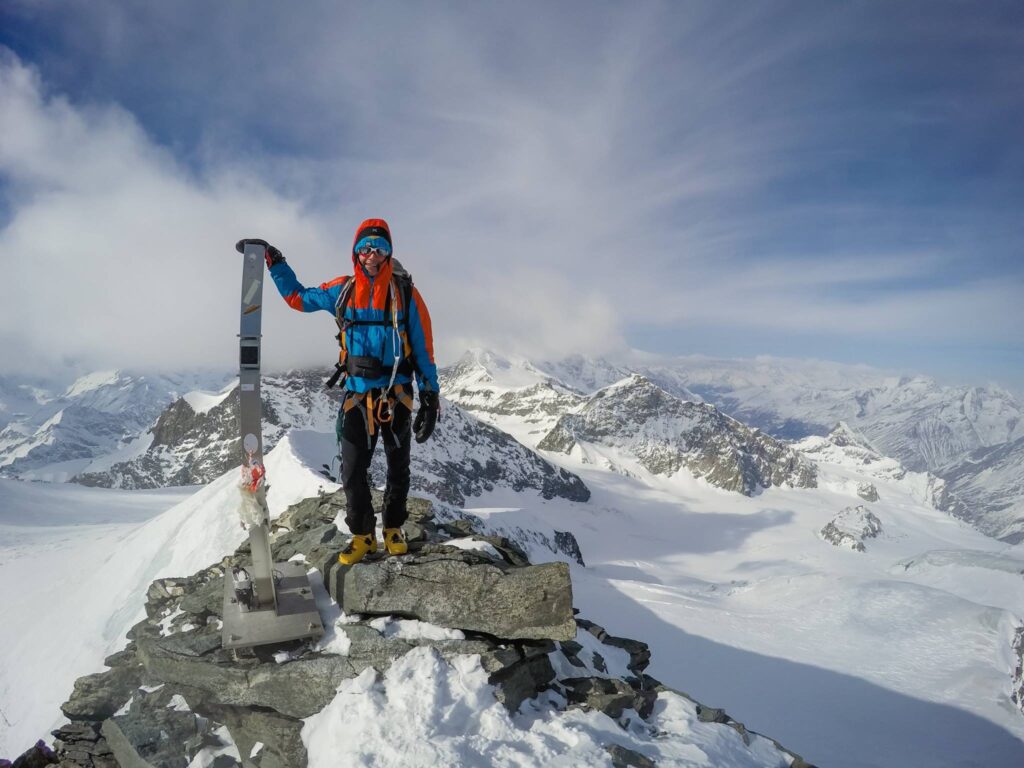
[(374, 244)]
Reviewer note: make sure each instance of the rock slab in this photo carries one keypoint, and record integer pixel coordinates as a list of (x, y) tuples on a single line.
[(462, 590)]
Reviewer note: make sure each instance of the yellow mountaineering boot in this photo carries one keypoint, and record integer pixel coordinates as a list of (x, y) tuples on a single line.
[(394, 540), (358, 547)]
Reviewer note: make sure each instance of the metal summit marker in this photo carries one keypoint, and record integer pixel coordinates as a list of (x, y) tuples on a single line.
[(265, 602)]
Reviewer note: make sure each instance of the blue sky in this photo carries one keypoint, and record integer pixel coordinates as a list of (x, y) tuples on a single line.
[(839, 181)]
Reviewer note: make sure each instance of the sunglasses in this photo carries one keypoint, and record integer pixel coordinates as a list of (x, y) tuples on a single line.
[(373, 246)]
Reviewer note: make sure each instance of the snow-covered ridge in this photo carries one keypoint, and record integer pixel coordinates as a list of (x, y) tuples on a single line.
[(987, 489), (93, 381), (203, 402), (911, 418)]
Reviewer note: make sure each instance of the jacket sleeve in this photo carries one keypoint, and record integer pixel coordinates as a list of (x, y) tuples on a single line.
[(421, 339), (301, 298)]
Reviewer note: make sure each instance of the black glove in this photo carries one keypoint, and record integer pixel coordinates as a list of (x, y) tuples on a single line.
[(426, 416), (273, 256)]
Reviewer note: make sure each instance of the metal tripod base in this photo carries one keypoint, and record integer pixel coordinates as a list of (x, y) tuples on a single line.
[(296, 616)]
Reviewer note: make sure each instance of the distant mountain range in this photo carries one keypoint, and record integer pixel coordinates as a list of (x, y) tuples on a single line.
[(55, 435), (726, 421)]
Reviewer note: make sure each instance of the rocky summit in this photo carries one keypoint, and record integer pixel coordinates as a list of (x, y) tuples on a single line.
[(850, 527), (665, 434), (173, 697)]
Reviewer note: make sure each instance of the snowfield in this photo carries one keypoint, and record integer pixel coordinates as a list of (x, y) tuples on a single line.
[(898, 655), (75, 564)]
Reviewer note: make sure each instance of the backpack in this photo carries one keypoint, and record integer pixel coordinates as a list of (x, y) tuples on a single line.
[(401, 281)]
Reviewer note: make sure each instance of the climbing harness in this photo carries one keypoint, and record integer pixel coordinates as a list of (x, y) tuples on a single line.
[(377, 407)]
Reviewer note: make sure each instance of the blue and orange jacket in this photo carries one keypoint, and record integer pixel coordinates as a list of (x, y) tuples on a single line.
[(366, 302)]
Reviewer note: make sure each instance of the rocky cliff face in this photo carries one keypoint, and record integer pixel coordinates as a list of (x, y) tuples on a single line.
[(192, 447), (987, 490), (913, 419), (467, 457), (666, 434), (173, 697)]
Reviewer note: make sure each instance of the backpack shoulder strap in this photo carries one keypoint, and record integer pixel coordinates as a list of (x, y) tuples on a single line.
[(344, 295), (343, 298), (404, 284)]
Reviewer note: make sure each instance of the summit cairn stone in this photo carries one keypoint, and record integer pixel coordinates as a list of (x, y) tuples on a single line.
[(461, 589)]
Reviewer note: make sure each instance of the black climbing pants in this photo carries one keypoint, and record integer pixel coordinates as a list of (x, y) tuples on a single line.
[(357, 446)]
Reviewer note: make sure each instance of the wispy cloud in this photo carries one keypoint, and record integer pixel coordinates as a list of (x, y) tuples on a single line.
[(554, 179)]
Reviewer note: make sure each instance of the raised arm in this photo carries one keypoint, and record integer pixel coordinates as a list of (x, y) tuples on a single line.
[(298, 296)]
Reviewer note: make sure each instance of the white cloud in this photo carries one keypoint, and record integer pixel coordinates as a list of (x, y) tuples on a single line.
[(552, 181)]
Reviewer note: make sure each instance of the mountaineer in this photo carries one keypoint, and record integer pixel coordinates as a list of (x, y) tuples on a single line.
[(385, 338)]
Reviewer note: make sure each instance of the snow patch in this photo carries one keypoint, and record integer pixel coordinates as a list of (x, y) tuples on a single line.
[(204, 402), (225, 745), (91, 382), (449, 716), (475, 545), (414, 629), (178, 703)]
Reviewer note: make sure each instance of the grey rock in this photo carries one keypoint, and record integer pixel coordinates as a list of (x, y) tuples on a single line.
[(119, 658), (313, 512), (639, 653), (296, 689), (304, 685), (280, 735), (154, 735), (463, 591), (609, 695), (205, 600), (289, 543), (1017, 681), (37, 756), (867, 491), (566, 543), (518, 677), (622, 757), (96, 697)]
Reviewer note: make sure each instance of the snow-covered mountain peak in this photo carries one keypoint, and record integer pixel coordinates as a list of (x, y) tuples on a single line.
[(844, 435), (509, 393), (848, 449), (202, 401), (481, 366), (92, 381), (636, 420), (634, 382), (584, 374)]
